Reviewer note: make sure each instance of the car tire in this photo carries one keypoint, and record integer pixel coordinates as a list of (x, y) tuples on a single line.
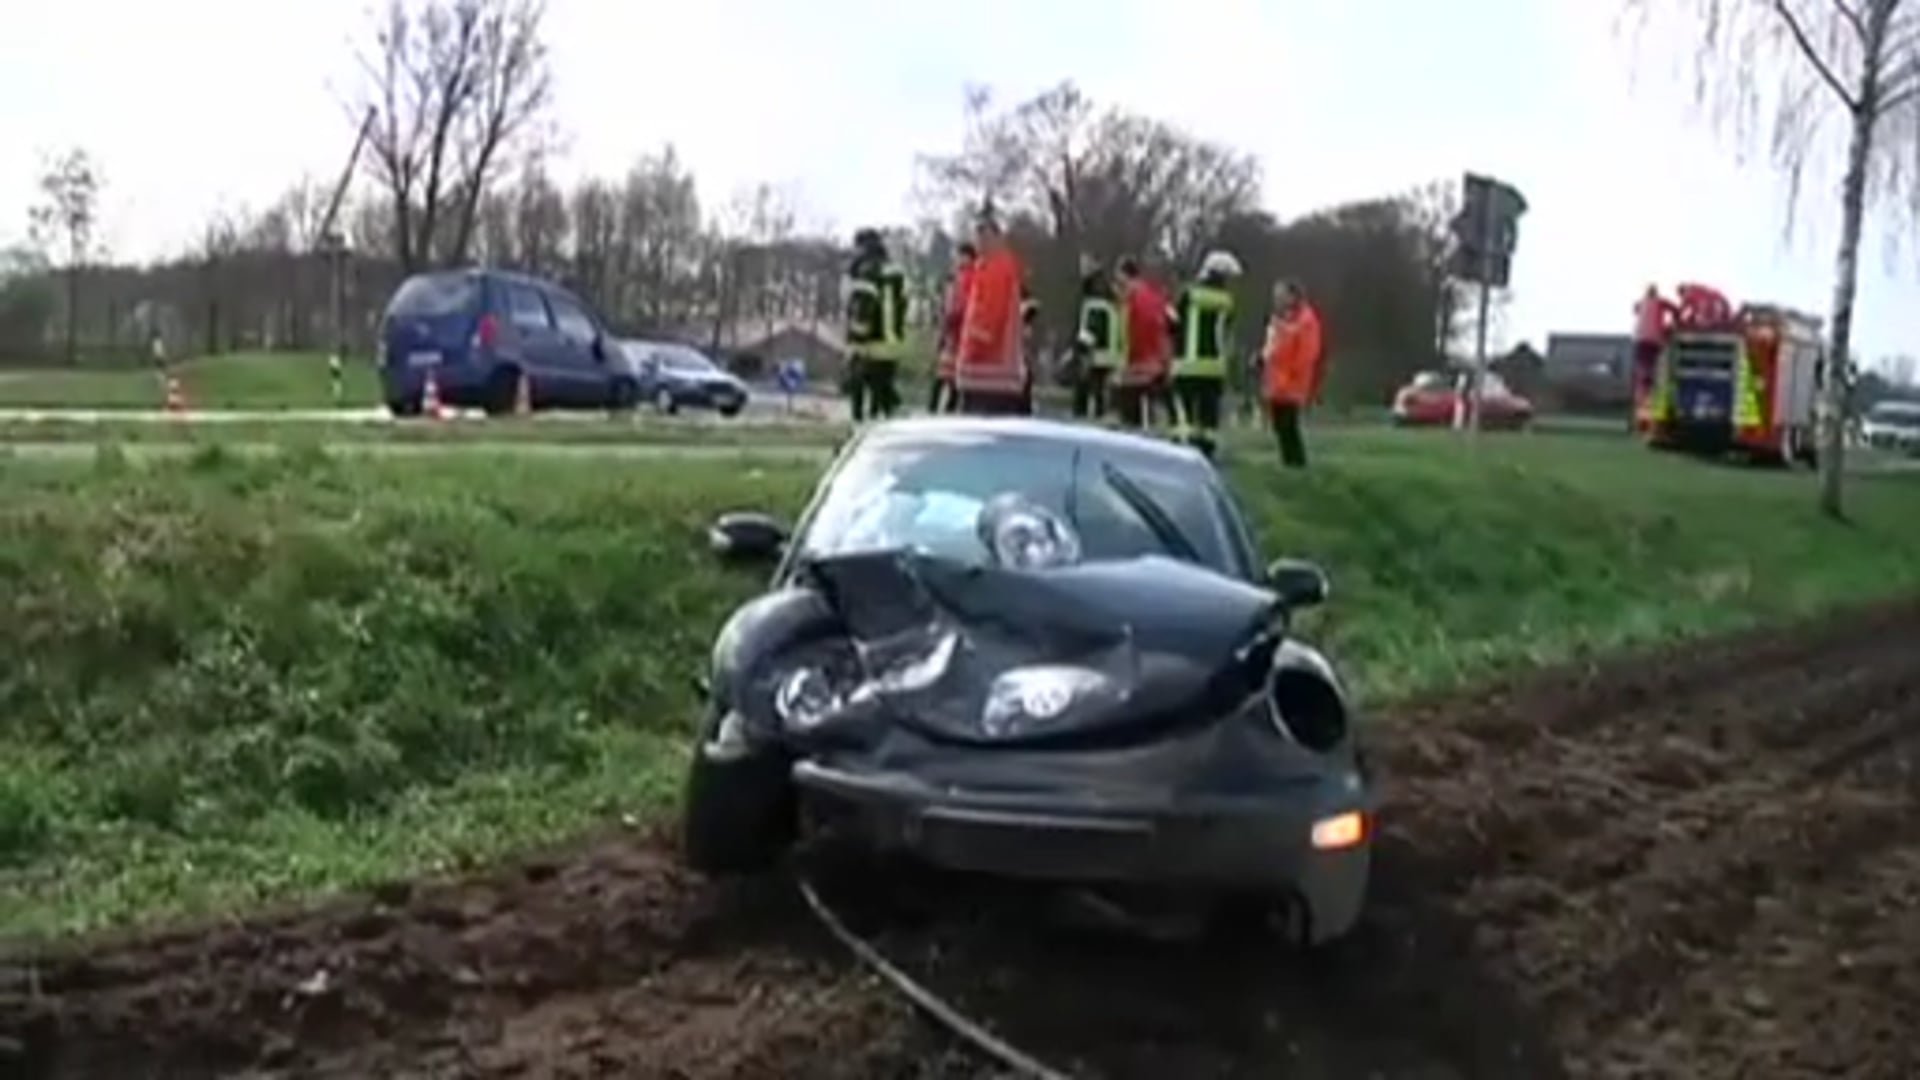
[(404, 407), (740, 813), (730, 411), (623, 395), (503, 389), (664, 402)]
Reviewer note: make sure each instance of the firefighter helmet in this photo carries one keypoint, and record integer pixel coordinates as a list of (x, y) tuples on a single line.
[(1219, 264)]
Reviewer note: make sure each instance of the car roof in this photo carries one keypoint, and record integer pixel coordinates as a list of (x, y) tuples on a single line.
[(1085, 436)]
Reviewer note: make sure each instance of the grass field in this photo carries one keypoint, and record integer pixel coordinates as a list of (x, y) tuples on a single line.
[(234, 677), (244, 380)]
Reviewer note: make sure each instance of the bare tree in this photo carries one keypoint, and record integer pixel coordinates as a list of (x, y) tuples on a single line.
[(67, 217), (1860, 55), (1100, 181), (661, 240), (454, 84)]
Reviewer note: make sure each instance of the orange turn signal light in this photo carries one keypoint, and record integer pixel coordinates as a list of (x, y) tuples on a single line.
[(1340, 831)]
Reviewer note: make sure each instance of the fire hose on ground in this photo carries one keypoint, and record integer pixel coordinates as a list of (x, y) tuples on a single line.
[(1020, 1063)]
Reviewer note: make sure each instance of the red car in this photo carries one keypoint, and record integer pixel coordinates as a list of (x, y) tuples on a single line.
[(1429, 401)]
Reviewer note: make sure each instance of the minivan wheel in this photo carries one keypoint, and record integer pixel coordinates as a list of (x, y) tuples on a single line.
[(404, 406), (503, 387)]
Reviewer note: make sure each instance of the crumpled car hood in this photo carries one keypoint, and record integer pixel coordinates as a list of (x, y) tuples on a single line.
[(997, 656)]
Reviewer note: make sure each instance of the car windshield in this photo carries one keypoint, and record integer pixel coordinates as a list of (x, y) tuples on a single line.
[(926, 492), (1895, 412), (1430, 380), (681, 359)]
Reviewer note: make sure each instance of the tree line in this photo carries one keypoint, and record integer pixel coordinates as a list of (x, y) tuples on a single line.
[(457, 172)]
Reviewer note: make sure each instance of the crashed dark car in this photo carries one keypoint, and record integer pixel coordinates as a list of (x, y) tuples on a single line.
[(1038, 650)]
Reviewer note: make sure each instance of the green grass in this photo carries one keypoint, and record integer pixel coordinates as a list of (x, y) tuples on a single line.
[(242, 380), (235, 677)]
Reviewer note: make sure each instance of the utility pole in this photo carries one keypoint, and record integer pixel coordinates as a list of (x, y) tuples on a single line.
[(333, 245)]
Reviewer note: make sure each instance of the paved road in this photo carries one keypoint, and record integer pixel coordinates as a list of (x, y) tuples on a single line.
[(631, 451), (763, 408)]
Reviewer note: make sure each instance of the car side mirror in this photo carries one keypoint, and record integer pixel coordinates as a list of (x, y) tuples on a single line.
[(747, 536), (1299, 584)]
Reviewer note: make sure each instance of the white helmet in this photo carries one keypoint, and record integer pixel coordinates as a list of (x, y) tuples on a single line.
[(1219, 263)]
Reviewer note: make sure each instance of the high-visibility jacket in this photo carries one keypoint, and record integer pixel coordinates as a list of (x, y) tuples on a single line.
[(1202, 332), (876, 310), (954, 317), (1100, 320), (991, 358), (1149, 348), (1294, 357)]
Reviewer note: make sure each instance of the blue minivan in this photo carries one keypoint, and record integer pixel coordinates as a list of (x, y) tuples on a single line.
[(478, 331)]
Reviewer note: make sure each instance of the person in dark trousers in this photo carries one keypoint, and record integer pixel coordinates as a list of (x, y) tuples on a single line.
[(876, 292), (1202, 339), (1294, 367), (1100, 332)]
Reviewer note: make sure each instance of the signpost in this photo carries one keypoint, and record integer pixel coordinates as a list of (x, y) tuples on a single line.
[(1485, 233)]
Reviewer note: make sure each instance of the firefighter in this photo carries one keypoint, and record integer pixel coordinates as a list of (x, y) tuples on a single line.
[(1142, 379), (954, 313), (1202, 335), (876, 326), (990, 369), (1100, 331), (1295, 364)]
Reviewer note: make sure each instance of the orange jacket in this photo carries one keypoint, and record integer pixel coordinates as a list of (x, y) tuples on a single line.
[(1149, 338), (1295, 360), (990, 358), (953, 318)]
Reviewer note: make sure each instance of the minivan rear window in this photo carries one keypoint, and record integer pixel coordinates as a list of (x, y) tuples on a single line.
[(436, 294)]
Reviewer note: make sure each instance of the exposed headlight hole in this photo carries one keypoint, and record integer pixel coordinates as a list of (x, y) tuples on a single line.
[(1308, 709)]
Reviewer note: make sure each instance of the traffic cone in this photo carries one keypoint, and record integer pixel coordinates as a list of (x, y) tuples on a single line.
[(430, 406), (523, 396), (176, 395)]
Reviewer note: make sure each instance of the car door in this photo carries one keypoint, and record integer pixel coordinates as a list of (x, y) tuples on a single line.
[(535, 341), (585, 374)]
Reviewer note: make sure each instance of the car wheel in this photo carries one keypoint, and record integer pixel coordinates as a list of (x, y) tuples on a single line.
[(740, 814), (503, 388), (404, 406), (622, 395), (729, 411), (663, 402)]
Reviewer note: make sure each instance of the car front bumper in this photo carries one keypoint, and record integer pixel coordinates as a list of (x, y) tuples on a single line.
[(1233, 843)]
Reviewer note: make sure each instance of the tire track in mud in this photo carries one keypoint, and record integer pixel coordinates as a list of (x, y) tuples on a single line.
[(1532, 847), (603, 958), (1650, 844)]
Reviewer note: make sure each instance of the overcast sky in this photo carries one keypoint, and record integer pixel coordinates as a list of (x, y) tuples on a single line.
[(190, 105)]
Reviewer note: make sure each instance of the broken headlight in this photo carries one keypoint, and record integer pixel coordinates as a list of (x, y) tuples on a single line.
[(1028, 697)]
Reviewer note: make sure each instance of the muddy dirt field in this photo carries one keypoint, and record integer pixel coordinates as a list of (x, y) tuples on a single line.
[(1703, 864)]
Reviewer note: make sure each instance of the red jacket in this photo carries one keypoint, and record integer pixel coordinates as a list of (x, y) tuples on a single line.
[(1295, 357), (1149, 338), (990, 359)]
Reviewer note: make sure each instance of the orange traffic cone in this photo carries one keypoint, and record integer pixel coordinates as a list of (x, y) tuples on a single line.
[(523, 396), (430, 406), (176, 395)]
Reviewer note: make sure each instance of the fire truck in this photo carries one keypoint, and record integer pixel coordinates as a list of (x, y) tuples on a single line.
[(1713, 379)]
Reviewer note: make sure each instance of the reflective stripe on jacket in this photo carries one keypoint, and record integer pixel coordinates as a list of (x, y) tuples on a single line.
[(1203, 332), (990, 358)]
